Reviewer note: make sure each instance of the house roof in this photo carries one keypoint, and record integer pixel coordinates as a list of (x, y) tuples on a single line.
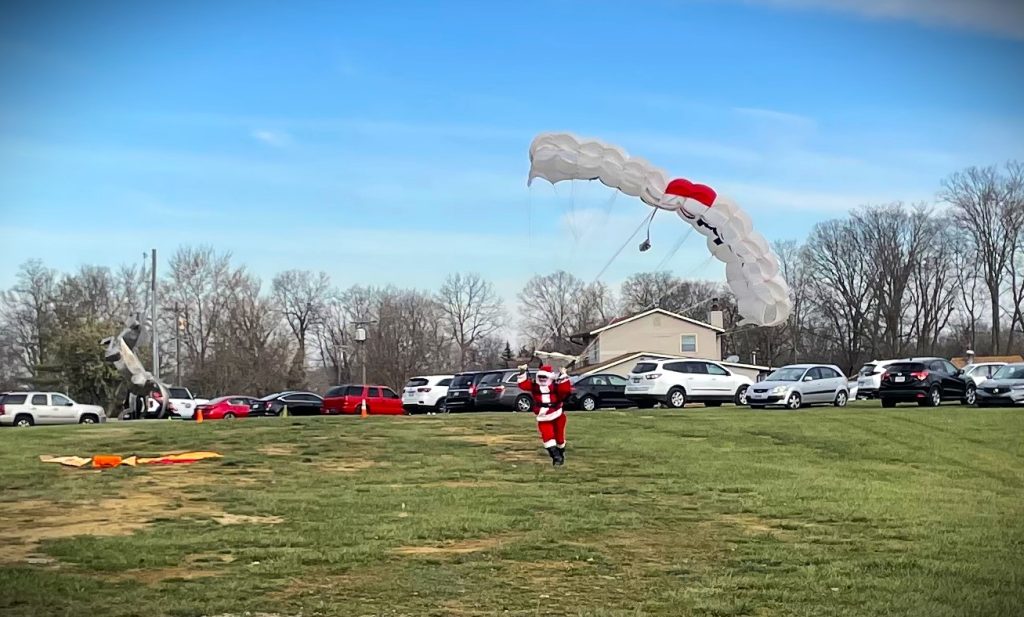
[(962, 362), (622, 320), (597, 368)]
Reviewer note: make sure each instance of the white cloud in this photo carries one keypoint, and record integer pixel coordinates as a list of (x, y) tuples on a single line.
[(277, 139), (1000, 17)]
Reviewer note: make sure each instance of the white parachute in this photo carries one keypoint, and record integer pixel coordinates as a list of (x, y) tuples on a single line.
[(751, 268)]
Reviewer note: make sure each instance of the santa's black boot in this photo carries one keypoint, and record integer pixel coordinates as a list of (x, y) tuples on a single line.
[(556, 459), (561, 454)]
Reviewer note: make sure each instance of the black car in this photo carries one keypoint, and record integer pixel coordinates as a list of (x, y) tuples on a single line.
[(499, 390), (597, 391), (298, 404), (926, 381), (461, 392)]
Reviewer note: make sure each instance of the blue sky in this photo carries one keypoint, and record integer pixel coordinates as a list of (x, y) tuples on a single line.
[(388, 144)]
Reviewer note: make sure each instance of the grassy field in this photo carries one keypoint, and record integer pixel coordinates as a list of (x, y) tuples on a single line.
[(697, 512)]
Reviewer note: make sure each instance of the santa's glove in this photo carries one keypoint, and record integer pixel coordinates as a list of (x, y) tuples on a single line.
[(523, 368)]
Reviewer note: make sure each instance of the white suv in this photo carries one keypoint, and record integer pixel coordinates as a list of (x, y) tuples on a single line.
[(677, 382), (869, 378), (426, 394), (28, 408)]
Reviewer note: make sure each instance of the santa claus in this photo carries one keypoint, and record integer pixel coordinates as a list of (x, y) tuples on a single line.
[(549, 395)]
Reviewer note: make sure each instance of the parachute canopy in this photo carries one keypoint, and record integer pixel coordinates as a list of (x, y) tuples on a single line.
[(751, 268)]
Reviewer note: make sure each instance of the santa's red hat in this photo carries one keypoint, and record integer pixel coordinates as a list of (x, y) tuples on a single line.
[(546, 371)]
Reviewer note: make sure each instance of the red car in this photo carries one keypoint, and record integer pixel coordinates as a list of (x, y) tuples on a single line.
[(380, 400), (226, 408)]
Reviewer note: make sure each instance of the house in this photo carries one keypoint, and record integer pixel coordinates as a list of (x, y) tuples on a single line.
[(970, 358), (657, 331), (656, 334)]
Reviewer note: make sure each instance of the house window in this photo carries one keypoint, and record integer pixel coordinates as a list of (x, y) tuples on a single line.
[(688, 343)]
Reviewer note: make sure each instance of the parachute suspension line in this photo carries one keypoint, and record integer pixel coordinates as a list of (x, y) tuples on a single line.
[(646, 244), (675, 249), (645, 221)]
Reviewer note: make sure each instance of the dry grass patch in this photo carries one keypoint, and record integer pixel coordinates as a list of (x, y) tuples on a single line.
[(460, 547)]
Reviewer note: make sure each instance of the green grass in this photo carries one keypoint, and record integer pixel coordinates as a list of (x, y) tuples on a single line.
[(698, 512)]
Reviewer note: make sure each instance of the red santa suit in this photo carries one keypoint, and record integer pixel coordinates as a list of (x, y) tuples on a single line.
[(549, 395)]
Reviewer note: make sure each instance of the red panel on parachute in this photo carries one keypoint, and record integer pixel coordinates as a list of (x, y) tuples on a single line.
[(699, 192)]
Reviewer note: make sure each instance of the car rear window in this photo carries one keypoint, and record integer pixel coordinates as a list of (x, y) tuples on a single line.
[(14, 399), (462, 381), (867, 370), (417, 382), (644, 367), (490, 379), (444, 382), (179, 393), (906, 367)]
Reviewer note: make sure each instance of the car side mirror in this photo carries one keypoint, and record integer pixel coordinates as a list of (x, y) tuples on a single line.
[(808, 378), (69, 404)]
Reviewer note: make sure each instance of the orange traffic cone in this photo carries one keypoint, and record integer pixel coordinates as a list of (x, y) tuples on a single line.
[(362, 409), (199, 415)]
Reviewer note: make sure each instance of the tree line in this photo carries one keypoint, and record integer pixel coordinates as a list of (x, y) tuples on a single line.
[(885, 281)]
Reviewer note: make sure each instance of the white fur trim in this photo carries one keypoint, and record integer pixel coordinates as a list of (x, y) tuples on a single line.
[(547, 416), (560, 445), (549, 443)]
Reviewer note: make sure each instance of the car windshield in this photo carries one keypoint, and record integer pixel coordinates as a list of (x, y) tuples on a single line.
[(221, 399), (179, 393), (644, 367), (461, 381), (867, 370), (271, 397), (417, 382), (787, 374), (1010, 371)]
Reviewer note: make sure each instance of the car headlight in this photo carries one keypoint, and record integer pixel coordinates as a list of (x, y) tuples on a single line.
[(779, 389)]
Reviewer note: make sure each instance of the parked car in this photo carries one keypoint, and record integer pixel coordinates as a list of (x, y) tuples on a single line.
[(298, 404), (348, 399), (1005, 387), (926, 381), (677, 382), (801, 385), (28, 408), (226, 408), (597, 391), (869, 378), (426, 394), (461, 392), (981, 372), (499, 390), (183, 402)]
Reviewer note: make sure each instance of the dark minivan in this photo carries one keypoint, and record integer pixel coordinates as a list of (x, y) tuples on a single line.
[(499, 391), (926, 381)]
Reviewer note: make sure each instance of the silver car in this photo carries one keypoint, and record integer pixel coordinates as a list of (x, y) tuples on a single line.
[(1005, 387), (801, 385)]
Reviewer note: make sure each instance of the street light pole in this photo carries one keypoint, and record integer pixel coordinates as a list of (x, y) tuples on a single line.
[(361, 339)]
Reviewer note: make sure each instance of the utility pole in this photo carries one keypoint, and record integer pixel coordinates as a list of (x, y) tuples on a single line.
[(156, 336), (361, 339)]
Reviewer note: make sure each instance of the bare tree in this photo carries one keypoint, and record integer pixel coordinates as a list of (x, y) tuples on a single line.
[(934, 285), (549, 308), (472, 311), (794, 272), (984, 205), (841, 288), (27, 314), (301, 296)]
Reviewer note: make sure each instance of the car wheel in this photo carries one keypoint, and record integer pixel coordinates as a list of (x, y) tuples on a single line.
[(23, 421), (524, 403), (89, 419), (888, 403), (588, 403), (794, 401), (676, 398), (439, 406), (934, 397), (229, 416), (741, 395), (841, 399), (972, 396)]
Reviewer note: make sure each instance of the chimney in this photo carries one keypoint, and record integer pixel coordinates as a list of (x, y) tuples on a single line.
[(970, 356), (716, 318)]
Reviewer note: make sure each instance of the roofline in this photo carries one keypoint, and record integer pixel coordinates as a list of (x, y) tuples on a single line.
[(656, 310), (666, 356)]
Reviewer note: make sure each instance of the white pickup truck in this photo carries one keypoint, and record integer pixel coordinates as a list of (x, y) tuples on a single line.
[(183, 402), (28, 408)]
